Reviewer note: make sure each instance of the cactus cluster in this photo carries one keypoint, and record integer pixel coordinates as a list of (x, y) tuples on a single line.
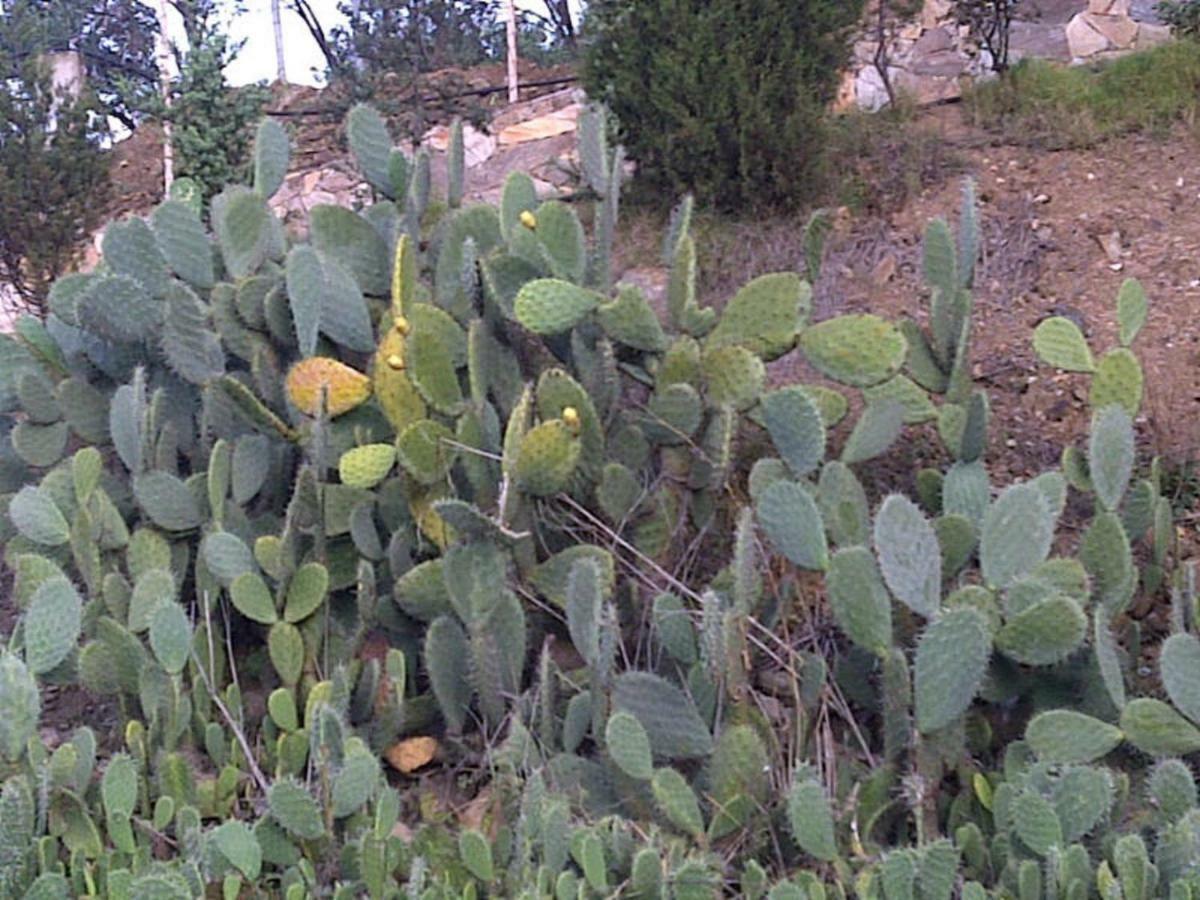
[(433, 471)]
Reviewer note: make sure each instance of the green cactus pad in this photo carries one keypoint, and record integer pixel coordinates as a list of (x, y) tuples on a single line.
[(242, 222), (167, 501), (673, 414), (1158, 730), (52, 624), (365, 467), (171, 637), (1179, 662), (737, 772), (551, 306), (1105, 552), (1045, 633), (1110, 455), (811, 820), (952, 658), (1131, 310), (252, 598), (561, 235), (432, 371), (857, 350), (629, 746), (792, 522), (184, 243), (677, 801), (875, 431), (547, 458), (1172, 788), (306, 592), (285, 646), (1066, 736), (371, 145), (295, 810), (629, 320), (764, 316), (446, 655), (20, 706), (1118, 380), (917, 406), (733, 376), (339, 233), (909, 555), (1036, 823), (957, 540), (843, 504), (38, 518), (118, 308), (1016, 534), (859, 600), (668, 716), (1060, 343)]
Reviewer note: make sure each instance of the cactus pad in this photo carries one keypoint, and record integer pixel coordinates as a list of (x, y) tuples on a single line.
[(1060, 343), (345, 388), (789, 516), (1158, 730), (546, 458), (1066, 736), (1118, 380), (365, 467), (909, 555), (857, 350), (551, 306), (764, 316), (952, 658)]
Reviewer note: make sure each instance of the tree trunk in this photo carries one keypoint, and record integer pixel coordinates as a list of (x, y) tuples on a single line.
[(162, 54), (277, 24), (513, 90)]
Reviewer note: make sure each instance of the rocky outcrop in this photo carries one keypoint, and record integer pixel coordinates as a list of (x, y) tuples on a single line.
[(932, 58)]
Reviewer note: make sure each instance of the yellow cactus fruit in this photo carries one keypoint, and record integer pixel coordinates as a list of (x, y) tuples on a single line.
[(395, 362), (346, 388), (546, 458), (402, 326), (364, 467), (394, 390), (570, 417), (529, 220)]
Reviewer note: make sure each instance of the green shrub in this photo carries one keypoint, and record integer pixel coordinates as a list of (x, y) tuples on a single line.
[(53, 181), (724, 99), (1182, 15), (1057, 107), (478, 452)]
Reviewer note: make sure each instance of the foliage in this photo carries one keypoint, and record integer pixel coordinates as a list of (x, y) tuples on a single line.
[(114, 37), (746, 133), (1182, 15), (53, 178), (211, 123), (990, 24), (411, 36), (526, 458), (1058, 107)]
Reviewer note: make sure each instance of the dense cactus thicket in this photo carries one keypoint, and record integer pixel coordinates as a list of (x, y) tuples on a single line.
[(431, 473)]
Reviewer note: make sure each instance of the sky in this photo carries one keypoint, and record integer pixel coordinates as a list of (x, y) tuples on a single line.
[(301, 56)]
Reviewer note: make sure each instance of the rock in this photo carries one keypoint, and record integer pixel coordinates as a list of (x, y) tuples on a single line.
[(934, 12), (1038, 40), (869, 92), (1083, 39), (1110, 243), (1121, 31), (943, 65), (1109, 7), (1151, 35), (934, 40)]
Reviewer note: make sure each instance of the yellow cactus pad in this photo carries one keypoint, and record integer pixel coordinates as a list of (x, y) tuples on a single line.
[(346, 388), (394, 390)]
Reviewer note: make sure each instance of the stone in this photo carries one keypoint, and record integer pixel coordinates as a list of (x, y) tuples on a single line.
[(869, 92), (1109, 7), (1039, 41), (934, 12), (1151, 35), (1083, 39), (1121, 31), (933, 40), (947, 64)]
